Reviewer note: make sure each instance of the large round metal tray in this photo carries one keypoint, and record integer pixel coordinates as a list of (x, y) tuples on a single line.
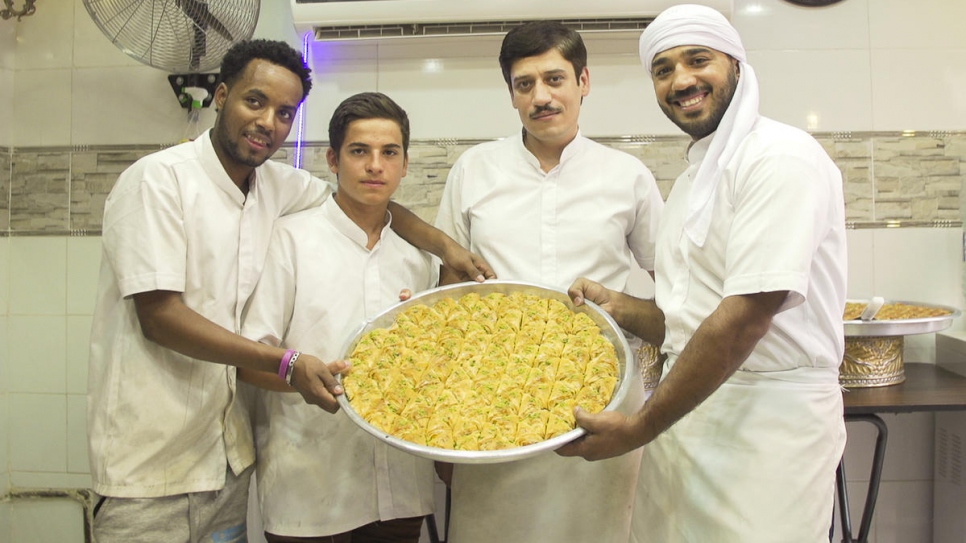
[(608, 327), (901, 327)]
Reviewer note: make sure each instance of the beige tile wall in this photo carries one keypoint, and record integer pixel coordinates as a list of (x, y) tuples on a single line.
[(916, 178)]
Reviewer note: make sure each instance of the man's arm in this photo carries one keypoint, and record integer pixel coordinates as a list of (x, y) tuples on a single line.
[(167, 321), (718, 348), (640, 317), (467, 266)]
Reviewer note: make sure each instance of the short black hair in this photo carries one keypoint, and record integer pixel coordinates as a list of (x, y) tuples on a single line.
[(536, 38), (276, 52), (366, 105)]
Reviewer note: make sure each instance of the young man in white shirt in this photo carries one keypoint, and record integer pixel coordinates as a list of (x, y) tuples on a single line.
[(547, 205), (184, 239), (328, 269)]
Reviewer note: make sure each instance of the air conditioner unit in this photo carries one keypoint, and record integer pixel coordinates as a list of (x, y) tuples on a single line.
[(371, 19)]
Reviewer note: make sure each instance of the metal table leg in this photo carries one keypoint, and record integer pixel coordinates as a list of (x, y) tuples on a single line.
[(878, 458)]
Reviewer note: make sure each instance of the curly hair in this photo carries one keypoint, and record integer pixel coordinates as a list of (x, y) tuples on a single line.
[(366, 105), (536, 38), (276, 52)]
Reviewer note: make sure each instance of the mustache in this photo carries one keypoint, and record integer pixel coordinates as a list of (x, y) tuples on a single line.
[(540, 110), (688, 92)]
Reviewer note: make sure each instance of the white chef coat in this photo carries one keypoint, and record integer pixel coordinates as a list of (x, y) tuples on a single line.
[(319, 473), (756, 461), (161, 423), (589, 216)]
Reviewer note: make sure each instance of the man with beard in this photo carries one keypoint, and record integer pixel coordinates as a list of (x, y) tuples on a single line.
[(185, 236), (547, 205), (745, 431)]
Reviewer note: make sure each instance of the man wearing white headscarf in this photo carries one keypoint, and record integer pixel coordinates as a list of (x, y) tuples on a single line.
[(744, 432)]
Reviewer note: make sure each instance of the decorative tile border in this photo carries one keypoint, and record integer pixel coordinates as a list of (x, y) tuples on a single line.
[(891, 179)]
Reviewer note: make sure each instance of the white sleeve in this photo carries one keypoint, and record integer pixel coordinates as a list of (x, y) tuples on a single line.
[(780, 216), (450, 217), (144, 232), (267, 316), (649, 206)]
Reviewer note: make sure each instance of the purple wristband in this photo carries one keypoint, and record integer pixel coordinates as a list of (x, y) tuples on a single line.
[(283, 365)]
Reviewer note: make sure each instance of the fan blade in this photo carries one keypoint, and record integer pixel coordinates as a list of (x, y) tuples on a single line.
[(199, 13)]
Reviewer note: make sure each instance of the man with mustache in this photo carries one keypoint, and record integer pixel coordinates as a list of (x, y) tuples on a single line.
[(547, 205), (186, 232), (742, 436)]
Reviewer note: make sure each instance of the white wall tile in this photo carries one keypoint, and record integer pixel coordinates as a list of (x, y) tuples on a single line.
[(621, 100), (919, 89), (904, 512), (83, 265), (78, 344), (333, 81), (47, 521), (828, 90), (40, 479), (77, 458), (38, 271), (37, 354), (4, 275), (861, 264), (919, 264), (464, 98), (127, 105), (38, 434), (6, 108), (923, 24), (45, 39), (4, 447), (92, 48), (42, 103), (8, 46), (5, 521), (909, 452), (776, 24), (4, 357)]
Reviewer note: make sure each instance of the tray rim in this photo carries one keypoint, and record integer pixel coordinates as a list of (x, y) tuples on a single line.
[(900, 327), (501, 455)]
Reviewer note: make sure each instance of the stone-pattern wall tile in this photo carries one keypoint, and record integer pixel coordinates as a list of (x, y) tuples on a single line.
[(885, 177), (853, 156), (666, 159), (92, 175), (39, 192), (5, 160), (918, 177)]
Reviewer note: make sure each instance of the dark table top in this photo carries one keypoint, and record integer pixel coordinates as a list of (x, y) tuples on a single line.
[(927, 388)]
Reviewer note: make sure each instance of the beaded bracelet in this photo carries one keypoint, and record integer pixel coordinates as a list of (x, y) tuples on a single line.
[(291, 366), (283, 366)]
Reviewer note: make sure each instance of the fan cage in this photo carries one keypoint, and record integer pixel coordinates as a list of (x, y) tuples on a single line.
[(180, 36)]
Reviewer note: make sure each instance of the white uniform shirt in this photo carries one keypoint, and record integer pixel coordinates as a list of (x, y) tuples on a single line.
[(778, 224), (589, 216), (161, 423), (319, 473)]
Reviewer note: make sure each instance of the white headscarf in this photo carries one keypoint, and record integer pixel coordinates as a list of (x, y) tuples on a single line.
[(689, 24)]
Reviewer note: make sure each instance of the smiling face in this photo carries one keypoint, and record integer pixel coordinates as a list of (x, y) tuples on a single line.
[(255, 115), (369, 165), (694, 86), (546, 93)]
